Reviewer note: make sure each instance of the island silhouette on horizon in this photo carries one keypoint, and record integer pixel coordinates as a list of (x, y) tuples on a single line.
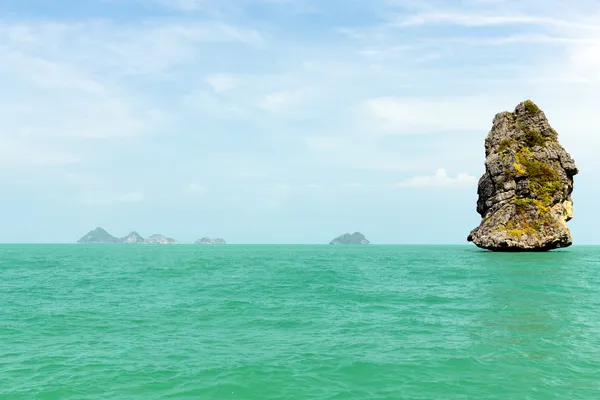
[(101, 236)]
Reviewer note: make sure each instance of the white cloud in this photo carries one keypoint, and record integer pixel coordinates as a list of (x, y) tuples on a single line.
[(585, 60), (323, 143), (421, 115), (354, 185), (292, 6), (478, 20), (106, 197), (119, 48), (183, 5), (440, 178), (289, 103), (212, 33), (65, 83), (221, 82), (79, 179), (257, 97), (197, 189), (245, 169), (132, 197), (19, 153), (353, 150)]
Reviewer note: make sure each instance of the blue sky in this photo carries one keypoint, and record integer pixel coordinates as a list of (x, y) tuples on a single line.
[(280, 121)]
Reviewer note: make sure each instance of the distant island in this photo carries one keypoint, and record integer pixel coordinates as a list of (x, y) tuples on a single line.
[(133, 238), (355, 238), (100, 236), (209, 241), (160, 239)]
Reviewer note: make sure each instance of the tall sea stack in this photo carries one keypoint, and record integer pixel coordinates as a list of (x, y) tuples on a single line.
[(525, 192)]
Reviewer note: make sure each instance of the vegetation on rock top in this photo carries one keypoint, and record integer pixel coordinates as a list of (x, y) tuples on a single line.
[(531, 107), (533, 168)]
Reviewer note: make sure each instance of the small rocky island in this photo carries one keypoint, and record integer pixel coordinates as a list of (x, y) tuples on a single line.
[(160, 239), (525, 192), (100, 236), (355, 238), (133, 238), (209, 241)]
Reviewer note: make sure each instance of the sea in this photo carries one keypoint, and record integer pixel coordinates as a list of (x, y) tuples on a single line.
[(91, 322)]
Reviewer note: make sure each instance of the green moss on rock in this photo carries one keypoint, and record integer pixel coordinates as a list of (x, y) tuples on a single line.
[(518, 231), (505, 144), (530, 218), (531, 107), (542, 179), (525, 202), (534, 138)]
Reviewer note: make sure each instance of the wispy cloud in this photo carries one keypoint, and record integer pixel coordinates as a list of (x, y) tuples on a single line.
[(323, 143), (132, 197), (184, 5), (585, 59), (193, 94), (480, 20), (221, 82), (105, 198), (197, 189), (439, 179), (18, 153), (71, 82), (436, 115)]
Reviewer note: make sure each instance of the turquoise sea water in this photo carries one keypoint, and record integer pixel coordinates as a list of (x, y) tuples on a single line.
[(298, 322)]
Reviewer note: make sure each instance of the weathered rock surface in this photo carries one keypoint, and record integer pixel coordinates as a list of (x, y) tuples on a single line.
[(98, 236), (525, 192), (209, 241), (133, 238), (355, 238), (160, 239)]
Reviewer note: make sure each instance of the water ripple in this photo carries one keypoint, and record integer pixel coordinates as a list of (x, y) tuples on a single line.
[(285, 322)]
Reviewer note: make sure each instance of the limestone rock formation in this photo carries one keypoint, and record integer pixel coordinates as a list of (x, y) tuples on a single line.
[(208, 241), (133, 238), (525, 192), (160, 239), (98, 236), (355, 238)]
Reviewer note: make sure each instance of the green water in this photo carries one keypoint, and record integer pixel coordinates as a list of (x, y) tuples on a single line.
[(298, 322)]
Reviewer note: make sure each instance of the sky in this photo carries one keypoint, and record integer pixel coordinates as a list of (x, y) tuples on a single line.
[(281, 121)]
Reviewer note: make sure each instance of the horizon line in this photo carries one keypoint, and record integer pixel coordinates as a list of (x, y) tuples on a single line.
[(258, 244)]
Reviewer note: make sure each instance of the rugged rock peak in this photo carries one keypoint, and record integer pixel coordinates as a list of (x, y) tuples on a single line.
[(525, 192), (98, 236), (208, 241), (355, 238), (133, 238), (160, 239)]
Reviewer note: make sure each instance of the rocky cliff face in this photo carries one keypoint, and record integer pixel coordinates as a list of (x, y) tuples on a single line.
[(525, 192)]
